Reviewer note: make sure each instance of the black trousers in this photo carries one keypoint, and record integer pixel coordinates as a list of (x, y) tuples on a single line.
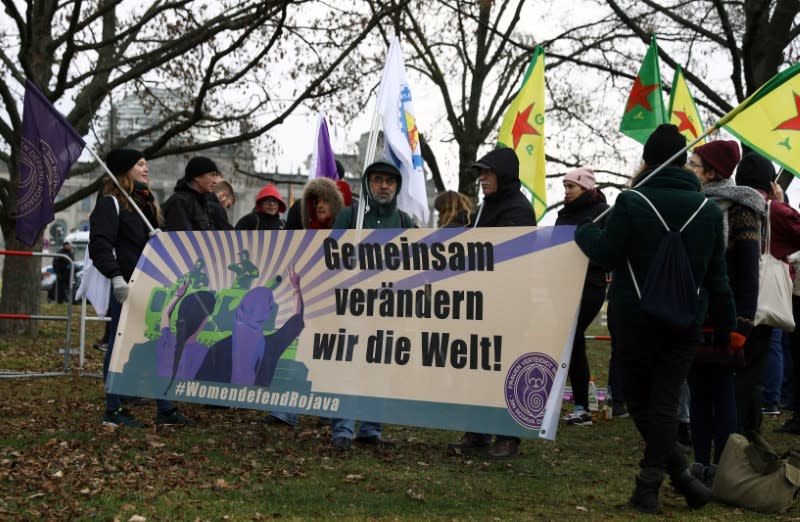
[(749, 380), (591, 302), (655, 361)]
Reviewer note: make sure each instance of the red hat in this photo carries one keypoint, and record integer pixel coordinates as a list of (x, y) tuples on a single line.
[(270, 191), (720, 155)]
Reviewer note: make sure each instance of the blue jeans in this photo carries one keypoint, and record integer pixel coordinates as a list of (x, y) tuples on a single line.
[(773, 376), (289, 418), (713, 410), (113, 402), (347, 427)]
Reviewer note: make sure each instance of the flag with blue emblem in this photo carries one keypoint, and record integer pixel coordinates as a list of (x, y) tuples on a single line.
[(400, 133)]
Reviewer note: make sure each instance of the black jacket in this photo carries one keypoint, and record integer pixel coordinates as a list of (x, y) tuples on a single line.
[(124, 233), (260, 221), (584, 209), (508, 207), (186, 209), (218, 215)]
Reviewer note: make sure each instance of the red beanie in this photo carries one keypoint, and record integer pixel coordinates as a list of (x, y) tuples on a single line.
[(720, 155), (270, 191)]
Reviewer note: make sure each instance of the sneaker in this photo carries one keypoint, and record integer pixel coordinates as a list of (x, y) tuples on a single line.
[(772, 409), (619, 411), (173, 418), (341, 443), (101, 346), (580, 417), (120, 417)]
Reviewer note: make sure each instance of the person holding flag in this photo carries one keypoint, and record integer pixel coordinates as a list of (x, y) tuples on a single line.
[(117, 237)]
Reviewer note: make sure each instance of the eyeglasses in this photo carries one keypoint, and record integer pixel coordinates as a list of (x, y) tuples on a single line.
[(694, 164)]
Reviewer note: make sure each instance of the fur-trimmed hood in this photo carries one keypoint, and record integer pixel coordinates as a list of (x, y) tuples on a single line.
[(320, 188)]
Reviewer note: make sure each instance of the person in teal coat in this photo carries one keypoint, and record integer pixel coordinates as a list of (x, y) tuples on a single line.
[(655, 358)]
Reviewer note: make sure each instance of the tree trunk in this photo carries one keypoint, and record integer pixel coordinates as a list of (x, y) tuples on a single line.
[(21, 287), (467, 154)]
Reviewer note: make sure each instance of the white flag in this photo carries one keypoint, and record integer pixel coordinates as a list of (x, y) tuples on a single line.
[(400, 134)]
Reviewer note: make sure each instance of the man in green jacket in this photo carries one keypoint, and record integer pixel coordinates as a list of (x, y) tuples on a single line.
[(655, 358), (379, 187)]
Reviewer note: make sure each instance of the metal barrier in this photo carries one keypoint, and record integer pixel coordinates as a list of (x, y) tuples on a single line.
[(5, 374), (82, 343)]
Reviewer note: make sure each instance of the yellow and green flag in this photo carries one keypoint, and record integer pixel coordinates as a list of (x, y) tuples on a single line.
[(523, 130), (644, 110), (683, 111), (769, 120)]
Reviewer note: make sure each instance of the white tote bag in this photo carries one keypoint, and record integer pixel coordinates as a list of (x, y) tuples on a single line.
[(774, 289), (95, 286)]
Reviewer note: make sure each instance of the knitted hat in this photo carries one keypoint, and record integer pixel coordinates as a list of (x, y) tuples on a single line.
[(120, 161), (755, 172), (198, 166), (270, 191), (583, 177), (662, 144), (721, 155)]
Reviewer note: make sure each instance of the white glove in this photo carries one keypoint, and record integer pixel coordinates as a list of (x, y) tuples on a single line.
[(120, 289)]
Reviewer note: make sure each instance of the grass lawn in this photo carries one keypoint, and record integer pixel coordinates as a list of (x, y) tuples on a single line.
[(58, 463)]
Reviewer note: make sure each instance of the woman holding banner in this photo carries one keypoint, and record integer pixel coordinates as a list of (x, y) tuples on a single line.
[(117, 237), (655, 355), (582, 203)]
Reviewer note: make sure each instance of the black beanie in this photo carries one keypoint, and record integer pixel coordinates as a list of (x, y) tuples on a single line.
[(198, 166), (120, 161), (662, 144), (755, 172)]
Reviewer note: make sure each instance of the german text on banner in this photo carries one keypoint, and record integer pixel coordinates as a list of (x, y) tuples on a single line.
[(48, 147), (463, 329)]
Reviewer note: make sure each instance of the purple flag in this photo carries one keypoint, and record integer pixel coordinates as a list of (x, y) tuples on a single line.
[(48, 147), (323, 163)]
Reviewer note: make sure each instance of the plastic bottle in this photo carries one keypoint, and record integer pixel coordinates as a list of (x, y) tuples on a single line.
[(593, 402)]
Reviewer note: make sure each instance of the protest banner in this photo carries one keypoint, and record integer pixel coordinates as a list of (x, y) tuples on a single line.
[(464, 329)]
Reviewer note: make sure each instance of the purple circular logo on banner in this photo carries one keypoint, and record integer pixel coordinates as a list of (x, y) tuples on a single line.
[(528, 384)]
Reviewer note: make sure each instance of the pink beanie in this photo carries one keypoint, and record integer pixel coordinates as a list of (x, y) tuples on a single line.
[(583, 177)]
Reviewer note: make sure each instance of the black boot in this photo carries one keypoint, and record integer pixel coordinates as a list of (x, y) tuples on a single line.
[(645, 496), (694, 491), (470, 444)]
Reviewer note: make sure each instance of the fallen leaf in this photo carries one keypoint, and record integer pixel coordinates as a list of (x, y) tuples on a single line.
[(137, 518), (413, 495), (419, 463), (581, 508), (353, 478), (127, 507), (58, 474)]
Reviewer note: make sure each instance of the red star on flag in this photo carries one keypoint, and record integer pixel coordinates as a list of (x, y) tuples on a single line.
[(639, 95), (686, 123), (792, 123), (522, 126)]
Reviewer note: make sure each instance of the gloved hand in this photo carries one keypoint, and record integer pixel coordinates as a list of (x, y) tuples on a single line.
[(120, 289)]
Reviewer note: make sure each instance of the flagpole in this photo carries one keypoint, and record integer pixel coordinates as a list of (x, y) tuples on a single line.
[(312, 171), (153, 231)]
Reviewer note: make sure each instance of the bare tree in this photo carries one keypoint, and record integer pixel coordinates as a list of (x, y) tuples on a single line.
[(227, 63)]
